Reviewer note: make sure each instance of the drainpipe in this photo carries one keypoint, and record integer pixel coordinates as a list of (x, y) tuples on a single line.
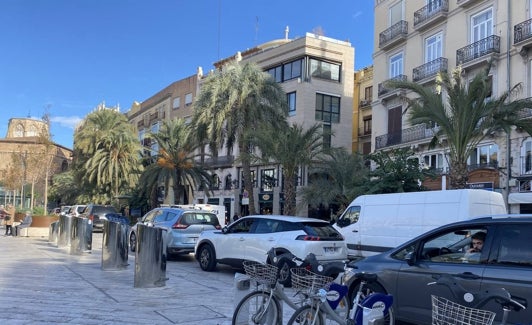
[(508, 84)]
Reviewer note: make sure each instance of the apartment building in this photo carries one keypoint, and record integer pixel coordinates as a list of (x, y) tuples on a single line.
[(415, 40), (362, 118)]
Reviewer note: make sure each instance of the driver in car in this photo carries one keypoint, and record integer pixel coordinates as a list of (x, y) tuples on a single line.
[(477, 242)]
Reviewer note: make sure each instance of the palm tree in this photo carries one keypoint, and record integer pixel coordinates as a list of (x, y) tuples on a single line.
[(232, 104), (338, 179), (463, 114), (107, 154), (175, 164), (293, 148)]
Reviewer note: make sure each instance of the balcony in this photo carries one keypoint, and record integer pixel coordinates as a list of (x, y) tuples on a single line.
[(466, 3), (434, 12), (429, 69), (479, 51), (415, 133), (365, 103), (523, 33), (486, 165), (219, 162), (385, 91), (393, 35)]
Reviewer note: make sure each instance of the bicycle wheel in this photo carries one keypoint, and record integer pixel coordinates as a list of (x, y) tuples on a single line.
[(306, 315), (256, 308)]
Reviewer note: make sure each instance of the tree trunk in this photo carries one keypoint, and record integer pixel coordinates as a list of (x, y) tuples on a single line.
[(458, 175), (289, 195)]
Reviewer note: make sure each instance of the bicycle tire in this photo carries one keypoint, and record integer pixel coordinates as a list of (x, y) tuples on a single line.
[(252, 304), (304, 315)]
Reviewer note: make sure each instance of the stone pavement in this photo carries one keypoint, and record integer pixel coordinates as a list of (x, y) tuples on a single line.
[(43, 284)]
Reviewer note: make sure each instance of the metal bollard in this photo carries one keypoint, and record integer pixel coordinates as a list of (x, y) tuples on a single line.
[(81, 236), (64, 231), (114, 246), (150, 257), (53, 232)]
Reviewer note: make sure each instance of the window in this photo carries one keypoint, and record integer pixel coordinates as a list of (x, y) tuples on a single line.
[(19, 131), (176, 103), (142, 134), (433, 47), (291, 99), (512, 251), (434, 161), (267, 180), (481, 25), (324, 70), (276, 73), (454, 247), (350, 216), (396, 13), (327, 108), (368, 94), (485, 156), (396, 65), (292, 70), (526, 157), (367, 125), (188, 99)]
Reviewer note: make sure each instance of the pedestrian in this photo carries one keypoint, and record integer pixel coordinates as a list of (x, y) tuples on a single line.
[(26, 222), (9, 218)]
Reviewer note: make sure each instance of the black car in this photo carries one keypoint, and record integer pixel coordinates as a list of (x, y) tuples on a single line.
[(505, 261), (96, 213)]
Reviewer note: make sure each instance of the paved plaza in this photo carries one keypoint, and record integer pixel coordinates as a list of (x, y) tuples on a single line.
[(43, 284)]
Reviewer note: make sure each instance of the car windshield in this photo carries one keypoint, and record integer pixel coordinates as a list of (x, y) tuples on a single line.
[(200, 219)]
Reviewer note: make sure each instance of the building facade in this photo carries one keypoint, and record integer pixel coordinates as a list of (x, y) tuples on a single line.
[(415, 40), (362, 113), (29, 160)]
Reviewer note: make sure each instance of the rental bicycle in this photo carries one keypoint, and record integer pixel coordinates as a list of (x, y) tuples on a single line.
[(468, 308), (264, 304), (365, 310)]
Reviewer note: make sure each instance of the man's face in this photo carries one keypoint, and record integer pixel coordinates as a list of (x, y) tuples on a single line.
[(477, 244)]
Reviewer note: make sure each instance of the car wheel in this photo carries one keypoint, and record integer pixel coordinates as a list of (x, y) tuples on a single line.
[(285, 264), (207, 259), (132, 242)]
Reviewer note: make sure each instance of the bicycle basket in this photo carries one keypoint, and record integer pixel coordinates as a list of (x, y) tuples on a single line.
[(446, 312), (262, 273), (303, 279)]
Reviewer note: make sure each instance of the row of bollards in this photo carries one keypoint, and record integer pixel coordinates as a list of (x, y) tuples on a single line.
[(75, 234)]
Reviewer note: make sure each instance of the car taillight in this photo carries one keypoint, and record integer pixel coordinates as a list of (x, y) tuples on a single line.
[(178, 225), (308, 238)]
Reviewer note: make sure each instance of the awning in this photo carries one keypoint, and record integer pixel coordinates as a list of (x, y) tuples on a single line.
[(520, 198)]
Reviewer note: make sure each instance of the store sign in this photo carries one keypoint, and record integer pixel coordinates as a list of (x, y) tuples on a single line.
[(481, 186)]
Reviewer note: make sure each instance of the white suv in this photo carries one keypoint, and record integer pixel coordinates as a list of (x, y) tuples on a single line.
[(251, 237)]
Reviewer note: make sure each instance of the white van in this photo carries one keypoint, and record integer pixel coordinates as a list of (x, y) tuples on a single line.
[(375, 223)]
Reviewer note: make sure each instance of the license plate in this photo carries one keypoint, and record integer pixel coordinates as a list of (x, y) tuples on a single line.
[(329, 250)]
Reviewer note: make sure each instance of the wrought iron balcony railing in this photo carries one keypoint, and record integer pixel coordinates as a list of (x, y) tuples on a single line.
[(523, 31), (395, 32), (488, 45), (433, 9), (415, 133), (429, 69), (383, 88)]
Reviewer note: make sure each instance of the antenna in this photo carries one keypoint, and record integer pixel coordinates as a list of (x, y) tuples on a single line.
[(219, 25), (256, 29)]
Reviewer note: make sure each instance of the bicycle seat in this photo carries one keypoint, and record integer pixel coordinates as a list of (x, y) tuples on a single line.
[(368, 277)]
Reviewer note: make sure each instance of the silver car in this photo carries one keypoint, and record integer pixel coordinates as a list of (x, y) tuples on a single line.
[(182, 227)]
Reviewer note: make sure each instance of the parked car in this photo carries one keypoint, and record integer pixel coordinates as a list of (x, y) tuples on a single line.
[(64, 210), (504, 261), (251, 237), (76, 210), (182, 227), (96, 214)]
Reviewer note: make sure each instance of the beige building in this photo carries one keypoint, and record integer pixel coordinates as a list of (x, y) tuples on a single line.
[(315, 71), (26, 159), (416, 39), (362, 113)]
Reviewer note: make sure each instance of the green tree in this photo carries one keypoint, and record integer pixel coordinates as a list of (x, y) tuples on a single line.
[(175, 163), (107, 154), (64, 189), (293, 148), (337, 180), (232, 104), (396, 172), (464, 113)]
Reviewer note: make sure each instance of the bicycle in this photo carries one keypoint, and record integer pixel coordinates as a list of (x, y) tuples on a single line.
[(264, 304), (468, 311), (366, 310)]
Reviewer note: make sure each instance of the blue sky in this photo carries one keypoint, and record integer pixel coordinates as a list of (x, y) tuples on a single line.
[(64, 57)]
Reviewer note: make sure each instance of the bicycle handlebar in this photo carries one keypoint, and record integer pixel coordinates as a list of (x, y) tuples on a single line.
[(310, 262), (477, 300)]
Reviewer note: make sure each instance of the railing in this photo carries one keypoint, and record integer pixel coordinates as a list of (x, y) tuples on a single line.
[(396, 30), (429, 69), (525, 113), (490, 44), (219, 161), (365, 102), (415, 133), (491, 164), (433, 8), (523, 31), (383, 89)]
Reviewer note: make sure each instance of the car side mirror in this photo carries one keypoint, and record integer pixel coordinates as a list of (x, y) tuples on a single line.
[(224, 230), (342, 223), (410, 258)]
